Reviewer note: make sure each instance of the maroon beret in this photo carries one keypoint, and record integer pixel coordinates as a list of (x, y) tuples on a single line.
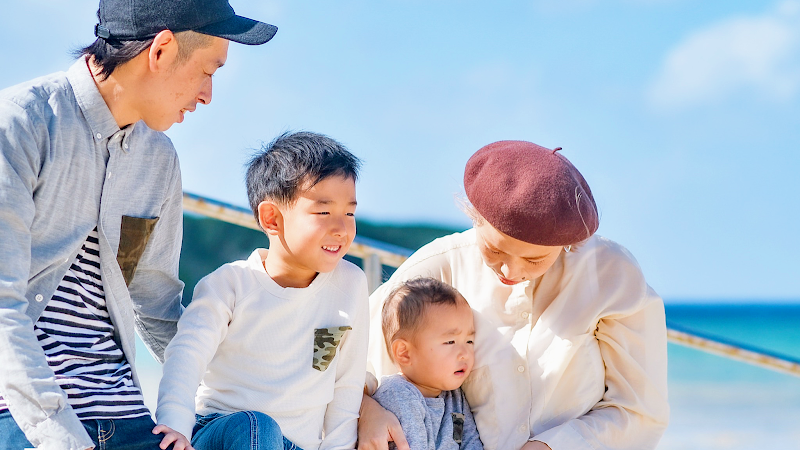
[(530, 193)]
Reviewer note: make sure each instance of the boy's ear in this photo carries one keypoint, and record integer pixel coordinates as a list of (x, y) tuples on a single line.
[(163, 51), (401, 352), (269, 217)]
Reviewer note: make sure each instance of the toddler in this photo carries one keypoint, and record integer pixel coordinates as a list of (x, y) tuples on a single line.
[(429, 331)]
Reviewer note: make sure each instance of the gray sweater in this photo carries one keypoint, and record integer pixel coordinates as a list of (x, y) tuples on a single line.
[(441, 423)]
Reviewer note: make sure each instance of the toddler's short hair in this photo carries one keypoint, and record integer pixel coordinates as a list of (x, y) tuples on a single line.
[(279, 169), (404, 309)]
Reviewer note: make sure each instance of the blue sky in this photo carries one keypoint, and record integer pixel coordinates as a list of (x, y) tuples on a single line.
[(682, 115)]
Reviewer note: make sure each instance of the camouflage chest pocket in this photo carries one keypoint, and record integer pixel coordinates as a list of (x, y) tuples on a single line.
[(326, 341), (133, 237)]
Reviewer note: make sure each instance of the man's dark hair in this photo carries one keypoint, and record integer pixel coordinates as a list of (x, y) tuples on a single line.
[(110, 54), (284, 166), (404, 309)]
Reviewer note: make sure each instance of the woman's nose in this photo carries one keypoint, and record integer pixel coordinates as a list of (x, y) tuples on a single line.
[(511, 272), (507, 271)]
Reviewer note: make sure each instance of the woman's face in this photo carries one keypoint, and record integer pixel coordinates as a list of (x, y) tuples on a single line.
[(514, 261)]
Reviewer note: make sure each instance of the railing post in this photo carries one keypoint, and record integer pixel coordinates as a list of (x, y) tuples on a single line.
[(374, 270)]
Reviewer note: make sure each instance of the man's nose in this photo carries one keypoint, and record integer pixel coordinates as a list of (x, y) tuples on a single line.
[(204, 96)]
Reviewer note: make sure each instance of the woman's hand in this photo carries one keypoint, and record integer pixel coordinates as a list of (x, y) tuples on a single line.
[(377, 426), (535, 445), (170, 436)]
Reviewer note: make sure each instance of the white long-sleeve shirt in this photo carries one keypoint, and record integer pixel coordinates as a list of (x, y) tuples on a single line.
[(576, 359), (250, 345)]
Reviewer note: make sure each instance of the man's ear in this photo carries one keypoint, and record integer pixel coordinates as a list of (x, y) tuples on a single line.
[(163, 51), (269, 217), (401, 352)]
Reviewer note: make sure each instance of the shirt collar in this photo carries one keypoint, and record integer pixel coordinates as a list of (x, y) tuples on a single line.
[(92, 105)]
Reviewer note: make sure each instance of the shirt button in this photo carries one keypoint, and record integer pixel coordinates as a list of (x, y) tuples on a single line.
[(39, 297), (125, 145), (524, 314), (99, 136), (108, 175), (522, 428), (520, 369)]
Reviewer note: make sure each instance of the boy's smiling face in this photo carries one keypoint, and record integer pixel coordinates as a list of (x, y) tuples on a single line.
[(314, 233)]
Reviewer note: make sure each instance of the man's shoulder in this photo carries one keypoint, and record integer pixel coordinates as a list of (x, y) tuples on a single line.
[(40, 89), (37, 95)]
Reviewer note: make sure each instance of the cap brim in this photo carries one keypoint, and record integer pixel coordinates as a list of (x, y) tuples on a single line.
[(242, 30)]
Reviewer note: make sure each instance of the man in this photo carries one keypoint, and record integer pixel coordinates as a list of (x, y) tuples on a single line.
[(90, 213)]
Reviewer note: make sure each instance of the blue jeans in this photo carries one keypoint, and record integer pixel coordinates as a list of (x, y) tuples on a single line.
[(243, 430), (107, 434)]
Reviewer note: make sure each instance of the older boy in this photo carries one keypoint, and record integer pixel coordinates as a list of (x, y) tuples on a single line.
[(91, 220), (428, 329), (277, 343)]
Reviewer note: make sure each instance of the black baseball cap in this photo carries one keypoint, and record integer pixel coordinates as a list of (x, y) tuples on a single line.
[(126, 20)]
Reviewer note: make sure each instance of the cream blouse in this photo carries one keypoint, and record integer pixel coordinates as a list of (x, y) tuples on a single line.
[(576, 359)]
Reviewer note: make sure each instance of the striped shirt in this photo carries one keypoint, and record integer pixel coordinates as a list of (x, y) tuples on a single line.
[(77, 336)]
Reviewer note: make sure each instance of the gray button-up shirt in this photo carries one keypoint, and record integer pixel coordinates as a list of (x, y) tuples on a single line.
[(65, 168)]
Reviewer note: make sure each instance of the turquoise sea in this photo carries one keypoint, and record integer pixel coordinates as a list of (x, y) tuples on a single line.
[(716, 403)]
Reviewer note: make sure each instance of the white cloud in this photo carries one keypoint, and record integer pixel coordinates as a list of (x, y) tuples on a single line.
[(756, 54)]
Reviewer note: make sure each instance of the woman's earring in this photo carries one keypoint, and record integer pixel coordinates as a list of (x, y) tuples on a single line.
[(567, 248)]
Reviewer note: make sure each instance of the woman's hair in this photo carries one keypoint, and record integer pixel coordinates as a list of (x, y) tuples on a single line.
[(405, 307), (108, 54), (466, 207)]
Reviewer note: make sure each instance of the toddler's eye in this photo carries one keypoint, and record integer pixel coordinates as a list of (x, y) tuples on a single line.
[(450, 342), (470, 342)]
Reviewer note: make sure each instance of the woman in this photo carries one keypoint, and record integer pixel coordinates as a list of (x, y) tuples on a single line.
[(570, 347)]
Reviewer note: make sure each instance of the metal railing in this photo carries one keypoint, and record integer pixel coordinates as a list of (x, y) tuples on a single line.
[(375, 254), (733, 350)]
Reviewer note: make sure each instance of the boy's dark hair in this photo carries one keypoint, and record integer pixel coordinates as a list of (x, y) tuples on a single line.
[(404, 309), (281, 168)]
